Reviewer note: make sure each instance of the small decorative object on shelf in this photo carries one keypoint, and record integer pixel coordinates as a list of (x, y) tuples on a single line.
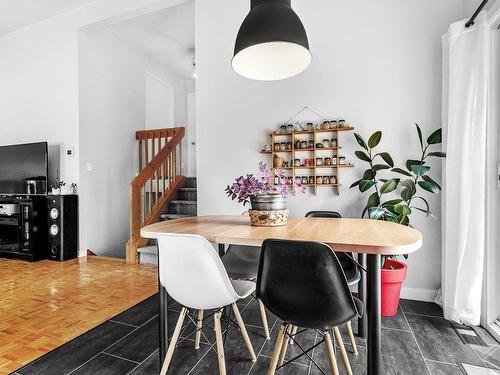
[(267, 195)]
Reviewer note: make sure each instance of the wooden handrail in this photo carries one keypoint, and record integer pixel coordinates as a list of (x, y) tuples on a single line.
[(157, 182)]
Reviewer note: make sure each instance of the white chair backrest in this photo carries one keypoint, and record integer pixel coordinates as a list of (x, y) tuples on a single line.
[(193, 273)]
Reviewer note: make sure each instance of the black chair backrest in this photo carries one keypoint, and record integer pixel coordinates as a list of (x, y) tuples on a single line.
[(344, 258), (303, 284), (331, 214)]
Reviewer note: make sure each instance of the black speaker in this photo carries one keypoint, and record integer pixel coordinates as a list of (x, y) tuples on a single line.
[(63, 227)]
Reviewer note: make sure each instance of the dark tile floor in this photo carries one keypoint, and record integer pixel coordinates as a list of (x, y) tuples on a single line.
[(416, 341)]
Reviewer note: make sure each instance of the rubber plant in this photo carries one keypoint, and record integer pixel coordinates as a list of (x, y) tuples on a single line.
[(411, 181)]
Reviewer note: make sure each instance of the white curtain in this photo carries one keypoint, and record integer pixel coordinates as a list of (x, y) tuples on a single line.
[(466, 85)]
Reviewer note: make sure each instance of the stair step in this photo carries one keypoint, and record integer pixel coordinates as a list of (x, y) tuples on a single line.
[(184, 202), (148, 255), (187, 189), (173, 216), (190, 182)]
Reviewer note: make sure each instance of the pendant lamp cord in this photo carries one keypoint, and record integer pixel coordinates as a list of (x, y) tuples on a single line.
[(306, 108)]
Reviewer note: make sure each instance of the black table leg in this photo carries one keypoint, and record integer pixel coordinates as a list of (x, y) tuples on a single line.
[(163, 322), (362, 296), (374, 341)]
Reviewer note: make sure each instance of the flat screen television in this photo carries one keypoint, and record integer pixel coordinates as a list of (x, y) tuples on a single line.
[(21, 162)]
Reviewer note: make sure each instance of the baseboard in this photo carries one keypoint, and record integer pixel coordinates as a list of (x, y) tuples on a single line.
[(419, 294)]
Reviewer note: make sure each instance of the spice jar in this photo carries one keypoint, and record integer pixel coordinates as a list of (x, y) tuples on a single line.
[(333, 180), (309, 126), (303, 144), (282, 146), (311, 180), (333, 124), (282, 129), (276, 180), (334, 160), (276, 146), (326, 143), (296, 162), (305, 180), (342, 124), (328, 161), (289, 145), (319, 180), (333, 142), (325, 125), (311, 144), (297, 144), (289, 128), (319, 161), (342, 160)]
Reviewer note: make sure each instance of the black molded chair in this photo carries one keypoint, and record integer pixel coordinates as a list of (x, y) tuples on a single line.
[(349, 265), (351, 268), (242, 263), (303, 284)]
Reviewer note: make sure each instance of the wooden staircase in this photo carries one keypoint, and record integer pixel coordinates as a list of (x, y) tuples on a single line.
[(157, 183)]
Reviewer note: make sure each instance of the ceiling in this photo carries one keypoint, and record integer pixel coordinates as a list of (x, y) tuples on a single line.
[(166, 35), (16, 14)]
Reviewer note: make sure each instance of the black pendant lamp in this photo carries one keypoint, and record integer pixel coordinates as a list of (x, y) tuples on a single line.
[(271, 43)]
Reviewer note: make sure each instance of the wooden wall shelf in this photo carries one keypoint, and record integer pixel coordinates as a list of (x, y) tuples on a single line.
[(312, 153)]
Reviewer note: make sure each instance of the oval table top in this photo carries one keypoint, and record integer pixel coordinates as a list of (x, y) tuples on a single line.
[(356, 235)]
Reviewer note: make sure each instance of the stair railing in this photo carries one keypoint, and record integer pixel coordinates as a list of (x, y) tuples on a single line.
[(157, 182)]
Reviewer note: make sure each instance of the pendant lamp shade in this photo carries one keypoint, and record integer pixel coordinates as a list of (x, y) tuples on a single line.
[(271, 43)]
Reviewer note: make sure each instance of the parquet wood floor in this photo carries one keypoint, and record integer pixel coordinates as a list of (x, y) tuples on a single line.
[(46, 304)]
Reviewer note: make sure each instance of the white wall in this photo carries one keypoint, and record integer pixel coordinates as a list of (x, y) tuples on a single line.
[(376, 64), (112, 108)]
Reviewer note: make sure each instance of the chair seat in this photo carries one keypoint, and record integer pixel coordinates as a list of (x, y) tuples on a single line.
[(243, 287), (242, 262)]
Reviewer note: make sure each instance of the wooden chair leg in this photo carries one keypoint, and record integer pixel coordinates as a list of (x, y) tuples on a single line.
[(343, 352), (199, 325), (294, 331), (352, 339), (284, 346), (173, 342), (264, 319), (220, 343), (331, 354), (277, 350), (244, 332)]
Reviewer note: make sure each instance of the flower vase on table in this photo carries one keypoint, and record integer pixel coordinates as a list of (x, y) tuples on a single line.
[(266, 195)]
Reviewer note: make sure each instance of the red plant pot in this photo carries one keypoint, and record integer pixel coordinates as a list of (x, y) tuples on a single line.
[(393, 275)]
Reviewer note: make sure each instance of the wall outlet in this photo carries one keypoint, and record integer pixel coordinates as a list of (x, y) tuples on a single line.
[(70, 152), (90, 166)]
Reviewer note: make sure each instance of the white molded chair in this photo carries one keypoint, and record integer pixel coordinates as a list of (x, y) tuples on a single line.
[(193, 274)]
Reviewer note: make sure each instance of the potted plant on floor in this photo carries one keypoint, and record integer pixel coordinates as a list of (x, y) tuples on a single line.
[(266, 195), (412, 181)]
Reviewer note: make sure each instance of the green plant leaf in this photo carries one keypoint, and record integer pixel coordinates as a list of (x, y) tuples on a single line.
[(438, 154), (402, 171), (408, 183), (411, 162), (375, 138), (407, 194), (428, 186), (364, 185), (402, 209), (375, 213), (420, 170), (435, 137), (360, 141), (404, 220), (363, 156), (355, 184), (391, 203), (383, 180), (387, 158), (419, 132), (389, 186), (373, 200), (379, 167), (430, 180), (369, 174)]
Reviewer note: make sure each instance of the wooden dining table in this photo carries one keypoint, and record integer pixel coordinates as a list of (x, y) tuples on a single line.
[(370, 239)]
